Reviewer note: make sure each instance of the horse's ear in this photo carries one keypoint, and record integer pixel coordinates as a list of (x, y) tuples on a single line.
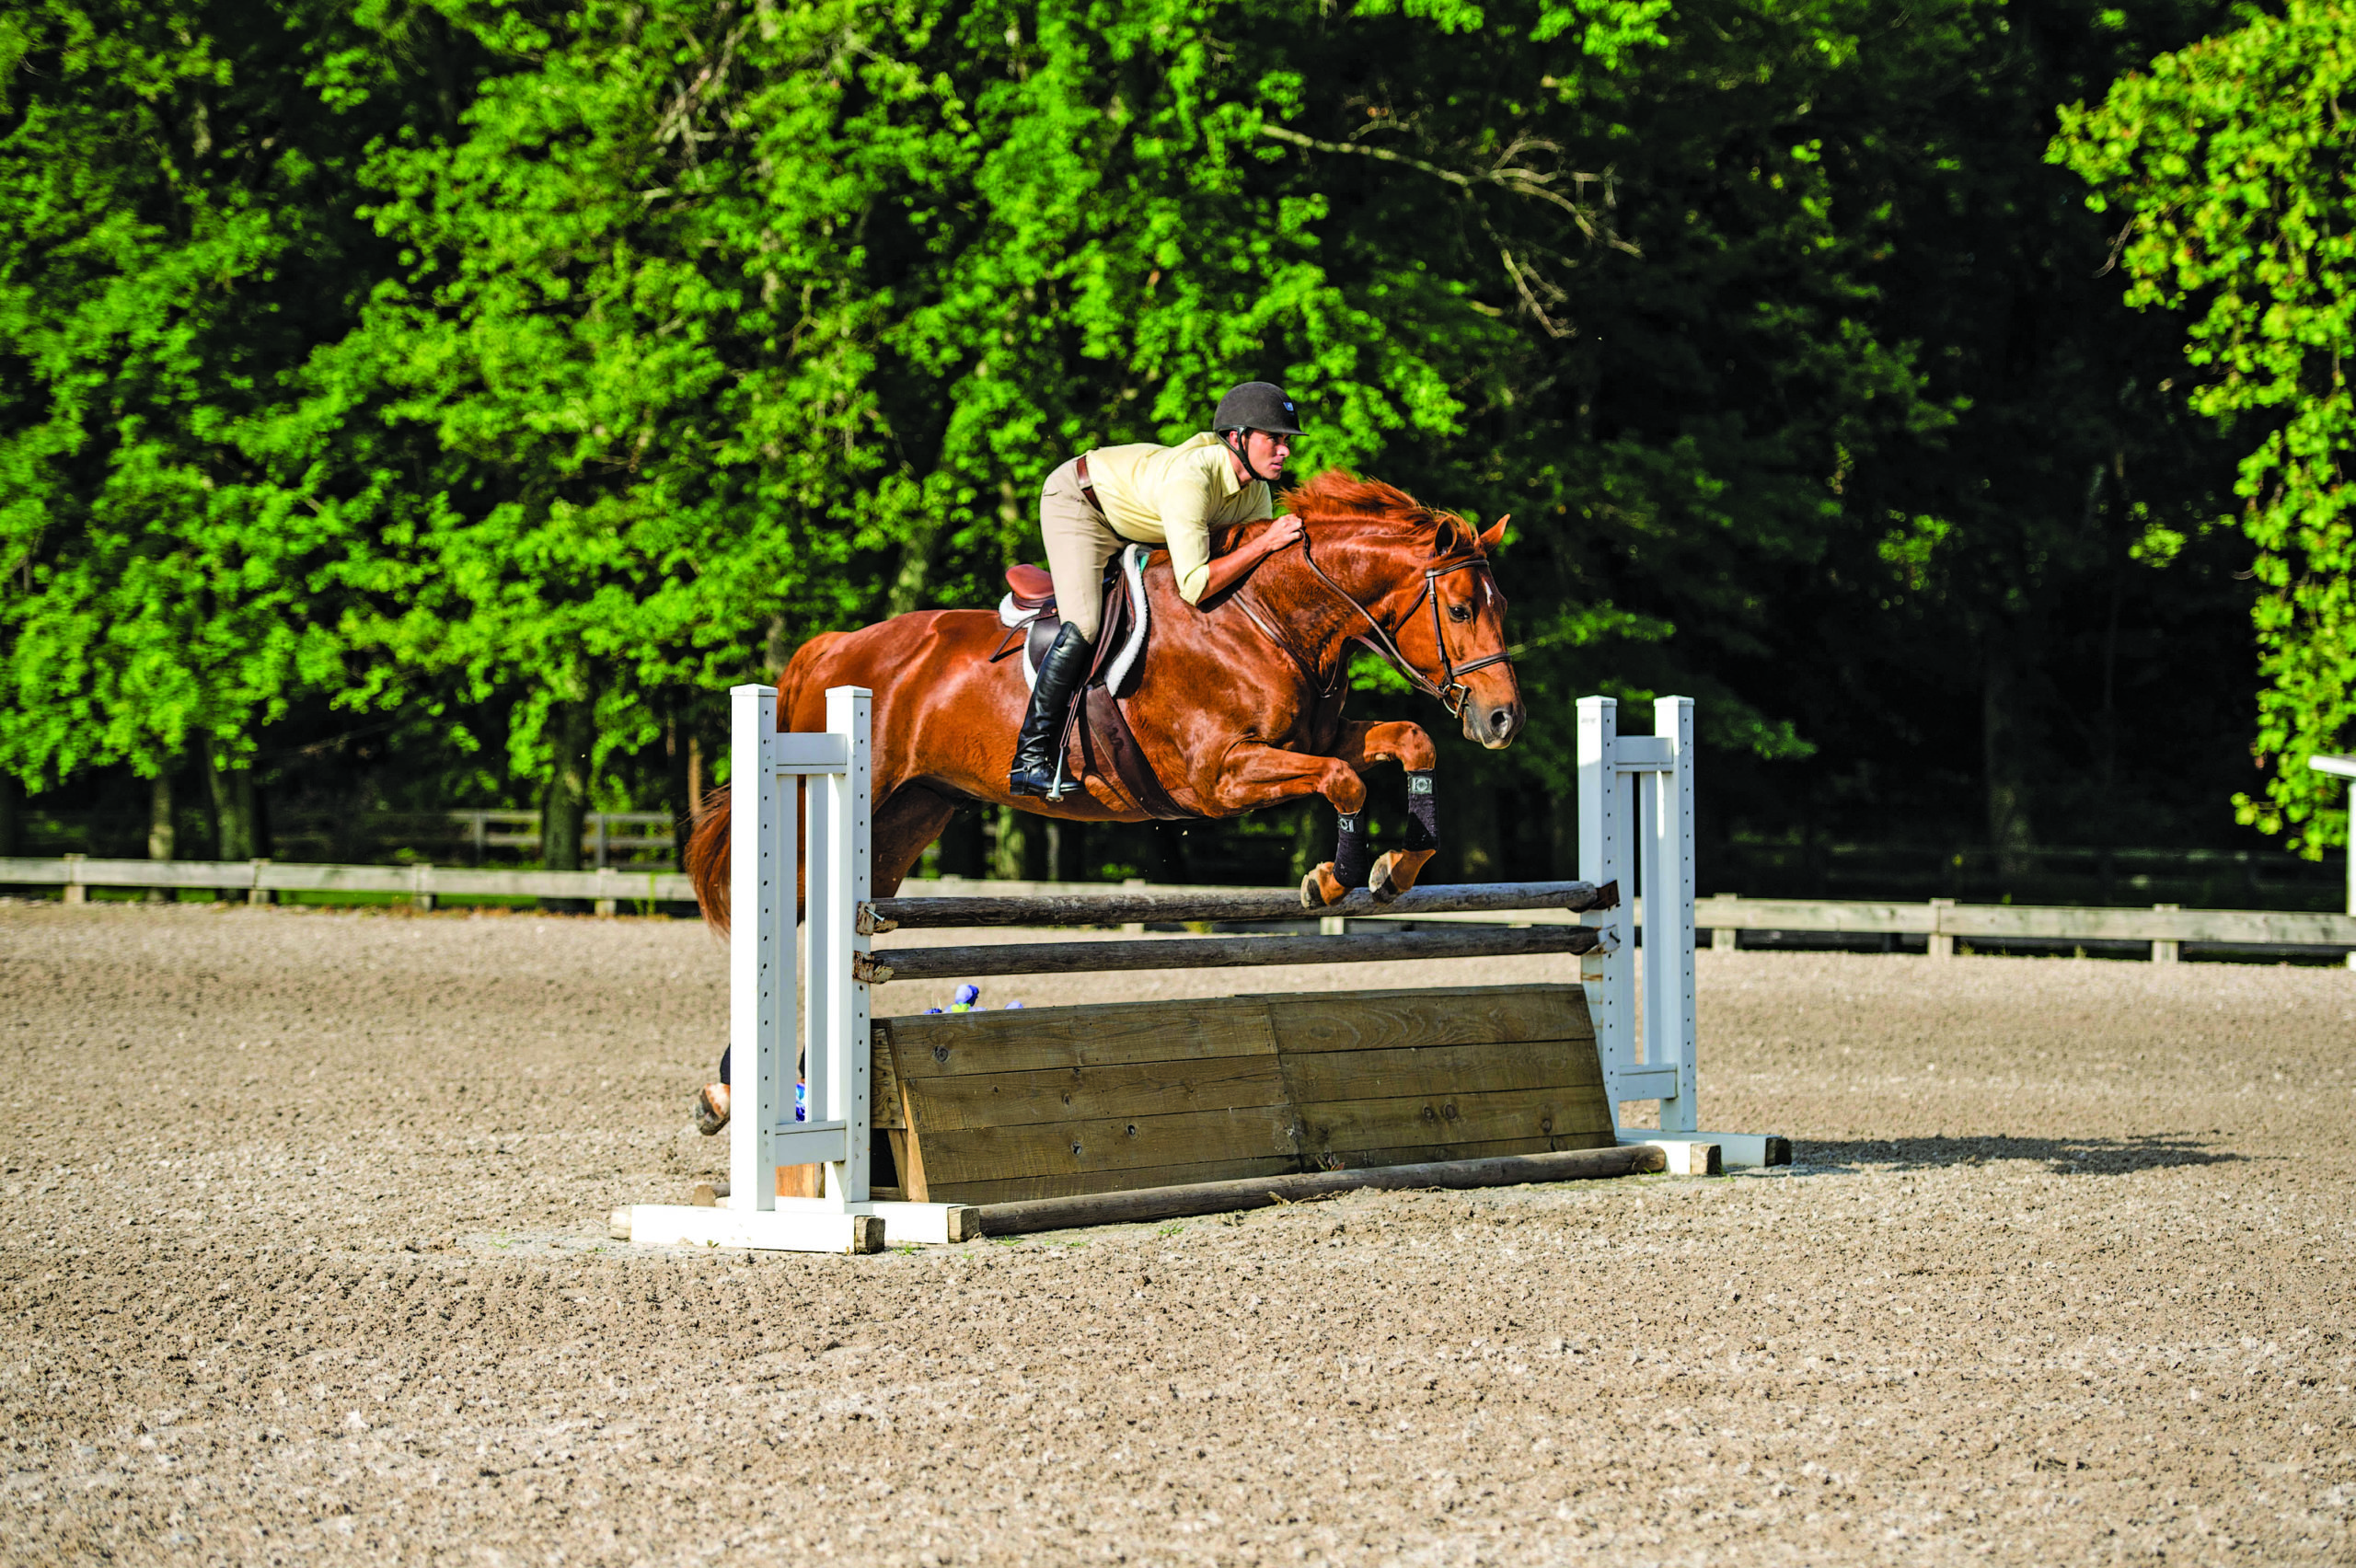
[(1494, 535)]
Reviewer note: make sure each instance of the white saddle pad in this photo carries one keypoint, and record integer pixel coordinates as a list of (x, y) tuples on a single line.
[(1132, 558)]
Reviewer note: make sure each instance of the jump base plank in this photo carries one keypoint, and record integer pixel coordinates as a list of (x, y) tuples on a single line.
[(993, 1108)]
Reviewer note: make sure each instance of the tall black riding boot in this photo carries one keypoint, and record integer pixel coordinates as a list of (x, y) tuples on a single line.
[(1041, 742)]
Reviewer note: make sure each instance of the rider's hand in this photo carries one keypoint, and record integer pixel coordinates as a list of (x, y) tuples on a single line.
[(1282, 532)]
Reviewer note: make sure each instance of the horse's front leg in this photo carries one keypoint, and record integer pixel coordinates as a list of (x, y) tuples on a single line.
[(1253, 775), (1394, 871)]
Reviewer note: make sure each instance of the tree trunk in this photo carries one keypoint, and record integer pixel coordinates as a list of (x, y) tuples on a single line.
[(912, 582), (682, 775), (233, 811), (1038, 849), (162, 838), (2106, 733), (12, 813), (574, 729), (2003, 729), (1562, 839), (1313, 833), (779, 651), (1007, 855), (1068, 851)]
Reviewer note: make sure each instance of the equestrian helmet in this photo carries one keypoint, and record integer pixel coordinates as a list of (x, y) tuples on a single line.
[(1256, 404)]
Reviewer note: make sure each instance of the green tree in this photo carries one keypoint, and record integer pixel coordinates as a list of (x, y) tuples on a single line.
[(722, 327), (171, 252), (531, 375), (1776, 335), (2233, 159)]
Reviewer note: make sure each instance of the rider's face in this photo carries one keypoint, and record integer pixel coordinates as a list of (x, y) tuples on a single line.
[(1268, 454)]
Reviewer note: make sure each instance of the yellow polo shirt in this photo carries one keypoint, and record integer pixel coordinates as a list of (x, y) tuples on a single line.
[(1175, 496)]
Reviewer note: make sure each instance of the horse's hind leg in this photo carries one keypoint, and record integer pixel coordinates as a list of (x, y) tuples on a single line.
[(907, 821)]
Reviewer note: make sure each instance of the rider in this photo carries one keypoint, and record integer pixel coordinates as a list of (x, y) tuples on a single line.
[(1177, 496)]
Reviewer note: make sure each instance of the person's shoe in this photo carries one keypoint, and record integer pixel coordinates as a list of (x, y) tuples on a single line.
[(1041, 742)]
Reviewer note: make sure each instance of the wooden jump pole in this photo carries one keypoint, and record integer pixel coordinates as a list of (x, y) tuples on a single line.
[(1144, 1203), (1215, 952), (1123, 907)]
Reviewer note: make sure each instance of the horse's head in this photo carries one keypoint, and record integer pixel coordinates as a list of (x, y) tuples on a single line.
[(1421, 577)]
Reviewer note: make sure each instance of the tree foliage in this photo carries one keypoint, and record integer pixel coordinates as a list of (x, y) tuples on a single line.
[(531, 373), (2233, 160), (172, 248)]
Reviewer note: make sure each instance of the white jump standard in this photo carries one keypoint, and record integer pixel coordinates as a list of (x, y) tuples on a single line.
[(763, 994), (1636, 829)]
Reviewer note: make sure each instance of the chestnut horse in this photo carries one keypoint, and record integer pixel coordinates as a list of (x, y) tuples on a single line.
[(1239, 705)]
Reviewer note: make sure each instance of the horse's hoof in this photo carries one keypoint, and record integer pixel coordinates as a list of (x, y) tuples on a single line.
[(1321, 888), (711, 1108), (1394, 872)]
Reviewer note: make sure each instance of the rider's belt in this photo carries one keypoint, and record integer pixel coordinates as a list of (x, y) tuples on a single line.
[(1087, 489)]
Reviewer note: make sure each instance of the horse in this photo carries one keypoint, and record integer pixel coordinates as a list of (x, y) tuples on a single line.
[(1238, 706)]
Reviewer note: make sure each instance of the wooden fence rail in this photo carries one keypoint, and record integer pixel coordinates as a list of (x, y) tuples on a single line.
[(950, 901), (262, 881)]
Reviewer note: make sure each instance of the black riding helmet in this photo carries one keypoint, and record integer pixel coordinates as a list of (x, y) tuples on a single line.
[(1256, 404)]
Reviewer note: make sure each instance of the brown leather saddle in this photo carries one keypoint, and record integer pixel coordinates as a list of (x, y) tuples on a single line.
[(1098, 741)]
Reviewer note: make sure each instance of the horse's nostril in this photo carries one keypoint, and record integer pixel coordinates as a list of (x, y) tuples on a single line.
[(1501, 720)]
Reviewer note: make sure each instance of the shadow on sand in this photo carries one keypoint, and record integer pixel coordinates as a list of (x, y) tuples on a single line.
[(2062, 1157)]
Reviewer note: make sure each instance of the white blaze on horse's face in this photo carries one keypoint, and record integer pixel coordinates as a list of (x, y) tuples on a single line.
[(1492, 711), (1471, 619)]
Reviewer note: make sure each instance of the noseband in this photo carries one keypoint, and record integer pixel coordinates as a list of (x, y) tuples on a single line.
[(1451, 691)]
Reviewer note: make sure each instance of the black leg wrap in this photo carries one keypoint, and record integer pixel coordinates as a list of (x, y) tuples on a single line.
[(1353, 855), (723, 1064), (1423, 813)]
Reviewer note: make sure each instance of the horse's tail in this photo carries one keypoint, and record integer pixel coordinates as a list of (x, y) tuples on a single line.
[(708, 860)]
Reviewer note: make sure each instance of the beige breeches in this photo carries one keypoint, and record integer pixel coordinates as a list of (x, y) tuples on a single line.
[(1079, 544)]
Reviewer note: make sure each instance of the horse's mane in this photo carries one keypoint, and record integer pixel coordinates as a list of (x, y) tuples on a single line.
[(1339, 496)]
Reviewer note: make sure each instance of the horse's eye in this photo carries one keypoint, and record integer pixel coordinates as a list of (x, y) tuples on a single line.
[(1459, 612)]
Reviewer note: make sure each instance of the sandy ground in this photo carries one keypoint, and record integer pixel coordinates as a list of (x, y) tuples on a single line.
[(304, 1259)]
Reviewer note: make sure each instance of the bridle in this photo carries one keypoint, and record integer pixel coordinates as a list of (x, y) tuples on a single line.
[(1452, 692)]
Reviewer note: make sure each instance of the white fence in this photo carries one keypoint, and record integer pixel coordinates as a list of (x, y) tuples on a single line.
[(603, 834), (2163, 928)]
